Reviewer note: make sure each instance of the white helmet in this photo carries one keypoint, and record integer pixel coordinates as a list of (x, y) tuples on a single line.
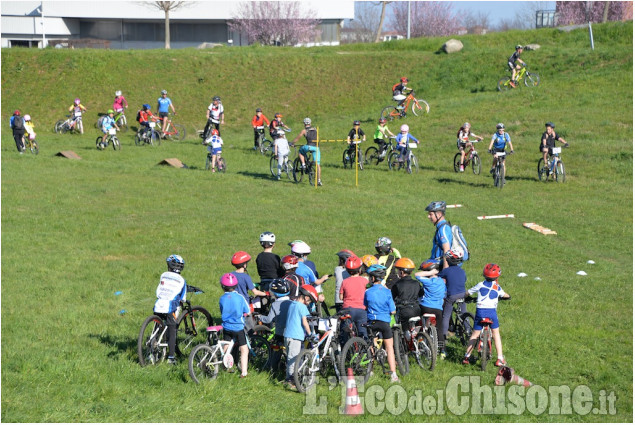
[(466, 125), (301, 248), (267, 237), (27, 117), (405, 127), (307, 121), (118, 93)]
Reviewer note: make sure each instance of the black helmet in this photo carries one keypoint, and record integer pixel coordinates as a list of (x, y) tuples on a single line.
[(216, 98), (383, 245), (518, 46), (258, 109), (356, 122), (175, 263), (280, 287), (550, 124), (436, 206), (500, 126)]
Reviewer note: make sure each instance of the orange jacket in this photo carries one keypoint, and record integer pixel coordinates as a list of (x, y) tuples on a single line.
[(257, 122)]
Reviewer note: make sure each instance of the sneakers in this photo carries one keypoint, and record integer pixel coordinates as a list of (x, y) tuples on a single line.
[(278, 177), (462, 169), (401, 107), (172, 361), (347, 157), (290, 385), (491, 171), (394, 378), (500, 362), (443, 355), (242, 376), (466, 360), (513, 84), (319, 182)]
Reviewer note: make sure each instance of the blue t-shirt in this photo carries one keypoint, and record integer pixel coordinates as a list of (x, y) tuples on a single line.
[(107, 122), (281, 318), (310, 264), (294, 328), (244, 284), (232, 310), (433, 292), (455, 279), (304, 271), (442, 235), (164, 104), (379, 303), (500, 140)]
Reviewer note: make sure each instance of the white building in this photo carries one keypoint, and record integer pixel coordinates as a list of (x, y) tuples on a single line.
[(133, 24)]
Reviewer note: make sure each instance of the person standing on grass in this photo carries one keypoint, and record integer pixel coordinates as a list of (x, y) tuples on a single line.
[(164, 104), (258, 123), (233, 310), (442, 240), (310, 134), (17, 126), (215, 115)]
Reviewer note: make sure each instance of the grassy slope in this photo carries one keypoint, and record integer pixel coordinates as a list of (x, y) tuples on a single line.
[(101, 225)]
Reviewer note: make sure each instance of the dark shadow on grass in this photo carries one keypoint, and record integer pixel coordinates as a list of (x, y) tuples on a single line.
[(263, 176), (125, 346), (463, 183)]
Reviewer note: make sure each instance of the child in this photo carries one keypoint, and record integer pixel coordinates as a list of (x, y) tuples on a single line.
[(171, 292), (398, 93), (341, 274), (297, 327), (352, 294), (17, 126), (214, 147), (355, 136), (499, 141), (302, 250), (29, 128), (233, 309), (367, 261), (289, 265), (381, 133), (406, 292), (433, 296), (386, 256), (511, 63), (258, 123), (245, 284), (402, 141), (379, 307), (77, 109), (278, 316), (276, 127), (489, 291), (120, 102), (145, 115), (267, 262), (455, 278), (106, 124), (463, 141), (281, 152), (310, 264)]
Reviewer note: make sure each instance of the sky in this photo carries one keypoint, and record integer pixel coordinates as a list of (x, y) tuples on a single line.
[(498, 10)]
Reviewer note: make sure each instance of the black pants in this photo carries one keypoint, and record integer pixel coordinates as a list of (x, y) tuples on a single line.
[(257, 134), (405, 313), (17, 136), (438, 314), (170, 320), (209, 124)]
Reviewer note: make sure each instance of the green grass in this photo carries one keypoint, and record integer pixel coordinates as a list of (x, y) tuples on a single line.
[(74, 232)]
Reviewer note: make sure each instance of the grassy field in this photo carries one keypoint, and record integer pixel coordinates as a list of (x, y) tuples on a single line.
[(76, 232)]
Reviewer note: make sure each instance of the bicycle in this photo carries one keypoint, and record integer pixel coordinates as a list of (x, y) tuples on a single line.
[(484, 344), (530, 79), (373, 155), (220, 164), (461, 324), (422, 340), (152, 344), (31, 144), (555, 167), (120, 120), (148, 137), (287, 167), (410, 164), (419, 107), (499, 169), (471, 157), (264, 145), (172, 131), (206, 359), (309, 169), (70, 124), (102, 142), (353, 154)]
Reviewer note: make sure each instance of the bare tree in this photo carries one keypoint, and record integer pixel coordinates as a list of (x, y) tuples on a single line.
[(580, 12), (364, 27), (167, 7), (471, 20), (381, 20), (428, 18)]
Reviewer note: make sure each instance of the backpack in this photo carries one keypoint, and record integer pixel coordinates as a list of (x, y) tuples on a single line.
[(458, 240), (394, 89), (18, 123), (139, 116)]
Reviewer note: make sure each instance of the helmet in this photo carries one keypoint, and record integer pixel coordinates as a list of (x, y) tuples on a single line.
[(345, 253), (258, 109), (377, 270), (214, 132), (216, 98), (405, 128), (175, 263), (277, 115), (309, 291), (164, 92), (289, 262), (146, 106), (382, 120), (110, 111), (404, 80), (383, 245), (301, 248), (353, 263), (240, 257), (467, 125), (405, 264), (369, 260), (518, 46), (491, 271), (307, 121), (77, 101), (436, 206), (550, 124), (430, 264), (280, 287), (356, 122), (228, 280), (118, 93), (16, 112), (27, 117), (500, 126), (267, 237), (454, 256), (294, 242)]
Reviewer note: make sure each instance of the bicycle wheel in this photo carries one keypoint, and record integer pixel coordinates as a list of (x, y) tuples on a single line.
[(414, 164), (288, 168), (543, 172), (371, 156), (115, 143), (426, 352), (59, 127), (357, 355), (346, 159), (486, 349), (155, 138), (305, 369), (266, 146), (35, 149), (204, 362), (420, 107), (393, 161), (401, 351), (387, 113), (310, 170), (297, 170), (260, 353), (465, 328), (221, 164), (208, 161), (532, 80), (137, 140), (560, 174), (457, 162), (504, 84), (476, 164), (360, 158), (191, 328), (178, 132), (122, 123), (498, 178), (152, 344), (99, 143), (273, 166)]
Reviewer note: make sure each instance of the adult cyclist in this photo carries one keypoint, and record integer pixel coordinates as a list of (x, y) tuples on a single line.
[(548, 141), (164, 103), (511, 63), (310, 133), (215, 116), (500, 140), (442, 241)]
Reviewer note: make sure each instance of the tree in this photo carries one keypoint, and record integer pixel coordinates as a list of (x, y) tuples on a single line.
[(429, 18), (470, 20), (381, 20), (580, 12), (166, 7), (282, 23), (362, 29)]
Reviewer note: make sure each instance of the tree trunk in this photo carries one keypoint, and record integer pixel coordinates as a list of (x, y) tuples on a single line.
[(605, 17), (167, 29), (381, 21)]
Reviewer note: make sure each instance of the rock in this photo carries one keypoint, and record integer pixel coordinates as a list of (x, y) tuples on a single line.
[(532, 47), (452, 46)]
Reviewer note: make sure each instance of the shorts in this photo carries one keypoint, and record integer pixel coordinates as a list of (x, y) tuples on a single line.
[(238, 336), (316, 152), (482, 313), (383, 327), (548, 147), (398, 97), (163, 114), (216, 151), (511, 66), (460, 145)]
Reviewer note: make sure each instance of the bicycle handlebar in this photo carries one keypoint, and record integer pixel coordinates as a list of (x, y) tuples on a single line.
[(196, 290)]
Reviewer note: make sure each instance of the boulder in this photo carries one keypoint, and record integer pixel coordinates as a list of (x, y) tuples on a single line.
[(452, 46), (532, 47)]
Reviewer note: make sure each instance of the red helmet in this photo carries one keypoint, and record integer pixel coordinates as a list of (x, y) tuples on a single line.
[(214, 132), (309, 291), (16, 112), (240, 257), (289, 262), (404, 80), (353, 263), (491, 271), (382, 119)]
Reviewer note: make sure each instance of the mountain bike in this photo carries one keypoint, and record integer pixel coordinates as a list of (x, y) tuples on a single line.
[(461, 324), (287, 166), (471, 158), (102, 142), (418, 107), (148, 137), (69, 125), (220, 164), (554, 168), (353, 154), (421, 341), (206, 360), (120, 120), (31, 144), (172, 131), (308, 170), (264, 145), (152, 344), (411, 164), (499, 169), (374, 156), (484, 344), (318, 356), (531, 79)]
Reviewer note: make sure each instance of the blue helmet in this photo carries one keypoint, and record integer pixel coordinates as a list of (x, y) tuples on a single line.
[(146, 106), (436, 206), (377, 270), (175, 263)]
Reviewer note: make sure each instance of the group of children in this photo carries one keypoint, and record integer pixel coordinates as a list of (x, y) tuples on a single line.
[(376, 290)]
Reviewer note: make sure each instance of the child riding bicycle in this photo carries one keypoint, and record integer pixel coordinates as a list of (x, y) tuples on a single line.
[(400, 92), (382, 133), (499, 141), (402, 140), (463, 141), (214, 145), (511, 63), (355, 135), (76, 110), (548, 141), (145, 115), (106, 124), (120, 103)]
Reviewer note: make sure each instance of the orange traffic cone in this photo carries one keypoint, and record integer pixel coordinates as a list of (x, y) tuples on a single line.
[(353, 404)]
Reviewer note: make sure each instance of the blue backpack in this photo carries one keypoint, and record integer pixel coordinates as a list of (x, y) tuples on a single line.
[(458, 240)]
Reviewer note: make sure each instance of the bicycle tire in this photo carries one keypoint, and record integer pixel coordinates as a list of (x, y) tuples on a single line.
[(310, 171), (420, 107), (532, 80), (204, 362), (273, 166), (476, 164), (356, 354), (60, 127), (347, 161), (35, 149), (122, 123), (304, 372), (186, 337), (155, 138), (115, 143), (560, 173), (393, 161), (456, 162), (263, 330), (465, 328), (371, 155), (99, 143), (414, 165), (266, 146), (221, 164), (260, 354), (288, 168), (297, 170), (427, 353), (137, 140), (504, 84), (178, 133), (543, 172), (434, 336), (152, 348), (208, 161), (401, 352), (486, 349), (360, 158), (498, 180), (389, 113)]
